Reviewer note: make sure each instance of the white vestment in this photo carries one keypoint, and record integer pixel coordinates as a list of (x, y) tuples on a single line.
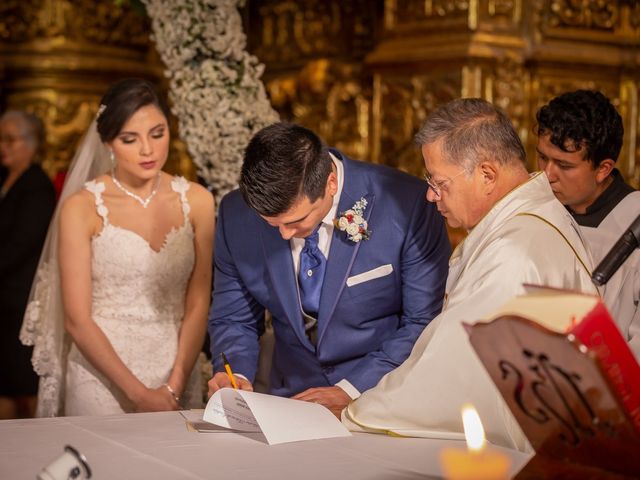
[(622, 292), (515, 243)]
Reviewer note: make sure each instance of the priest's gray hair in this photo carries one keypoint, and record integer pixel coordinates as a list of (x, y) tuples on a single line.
[(473, 130)]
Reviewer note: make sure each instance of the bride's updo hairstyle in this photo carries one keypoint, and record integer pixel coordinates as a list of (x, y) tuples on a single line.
[(122, 100)]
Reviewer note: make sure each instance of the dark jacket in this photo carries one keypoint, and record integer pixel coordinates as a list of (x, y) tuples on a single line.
[(25, 213)]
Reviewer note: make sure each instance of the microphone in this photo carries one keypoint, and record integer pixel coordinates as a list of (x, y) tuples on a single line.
[(627, 243)]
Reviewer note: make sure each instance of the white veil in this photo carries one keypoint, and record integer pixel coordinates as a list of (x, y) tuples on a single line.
[(43, 324)]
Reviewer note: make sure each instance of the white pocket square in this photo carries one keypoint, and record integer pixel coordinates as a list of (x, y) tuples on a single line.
[(378, 272)]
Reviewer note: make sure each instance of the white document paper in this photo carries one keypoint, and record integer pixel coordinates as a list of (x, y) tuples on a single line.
[(280, 419)]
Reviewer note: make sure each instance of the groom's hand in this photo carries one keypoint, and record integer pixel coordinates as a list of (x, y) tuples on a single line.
[(222, 380), (334, 398)]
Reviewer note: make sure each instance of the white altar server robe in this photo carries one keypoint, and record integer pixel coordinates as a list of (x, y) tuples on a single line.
[(622, 291)]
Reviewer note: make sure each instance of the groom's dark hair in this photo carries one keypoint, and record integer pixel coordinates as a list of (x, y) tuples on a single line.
[(283, 163)]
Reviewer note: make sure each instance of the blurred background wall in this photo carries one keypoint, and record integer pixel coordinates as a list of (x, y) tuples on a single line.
[(362, 73)]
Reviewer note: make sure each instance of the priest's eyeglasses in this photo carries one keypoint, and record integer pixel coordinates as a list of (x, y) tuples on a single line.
[(437, 186)]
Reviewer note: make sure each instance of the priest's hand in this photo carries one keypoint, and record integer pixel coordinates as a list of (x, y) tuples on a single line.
[(222, 380), (334, 398)]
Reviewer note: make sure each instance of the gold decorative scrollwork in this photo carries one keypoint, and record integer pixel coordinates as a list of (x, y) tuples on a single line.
[(59, 56), (84, 21), (404, 103), (600, 15), (292, 30), (400, 14), (332, 99), (16, 18)]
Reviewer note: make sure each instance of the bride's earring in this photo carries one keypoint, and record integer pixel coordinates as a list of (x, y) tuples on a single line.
[(112, 157)]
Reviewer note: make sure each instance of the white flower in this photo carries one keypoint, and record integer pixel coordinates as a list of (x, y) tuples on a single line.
[(353, 228), (353, 223), (215, 85)]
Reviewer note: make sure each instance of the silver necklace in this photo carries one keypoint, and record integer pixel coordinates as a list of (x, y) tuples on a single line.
[(144, 202)]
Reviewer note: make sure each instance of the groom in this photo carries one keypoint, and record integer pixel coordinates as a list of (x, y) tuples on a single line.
[(349, 299)]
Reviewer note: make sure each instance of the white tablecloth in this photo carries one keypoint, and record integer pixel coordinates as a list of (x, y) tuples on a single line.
[(159, 446)]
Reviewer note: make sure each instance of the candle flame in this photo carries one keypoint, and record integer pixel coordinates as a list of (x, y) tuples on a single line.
[(473, 431)]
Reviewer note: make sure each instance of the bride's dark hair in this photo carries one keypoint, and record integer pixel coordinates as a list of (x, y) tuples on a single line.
[(122, 100)]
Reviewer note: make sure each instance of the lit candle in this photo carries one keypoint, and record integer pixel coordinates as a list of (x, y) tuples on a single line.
[(476, 462)]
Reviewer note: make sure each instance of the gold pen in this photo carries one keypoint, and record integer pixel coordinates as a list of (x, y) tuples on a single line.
[(227, 367)]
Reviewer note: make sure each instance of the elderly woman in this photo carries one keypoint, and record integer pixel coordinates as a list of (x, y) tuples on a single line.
[(27, 201)]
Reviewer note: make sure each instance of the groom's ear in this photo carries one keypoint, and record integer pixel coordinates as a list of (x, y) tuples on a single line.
[(332, 184)]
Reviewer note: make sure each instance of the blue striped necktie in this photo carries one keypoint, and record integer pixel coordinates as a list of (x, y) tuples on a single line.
[(311, 275)]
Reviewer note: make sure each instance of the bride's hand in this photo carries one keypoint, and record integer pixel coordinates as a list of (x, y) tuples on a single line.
[(156, 400)]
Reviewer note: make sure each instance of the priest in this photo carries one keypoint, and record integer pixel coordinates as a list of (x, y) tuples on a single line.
[(518, 233)]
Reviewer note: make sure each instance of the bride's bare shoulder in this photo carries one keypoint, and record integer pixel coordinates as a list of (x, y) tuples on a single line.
[(201, 199), (83, 202)]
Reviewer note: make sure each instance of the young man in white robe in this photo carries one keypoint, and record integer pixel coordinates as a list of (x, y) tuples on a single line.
[(517, 233), (579, 139)]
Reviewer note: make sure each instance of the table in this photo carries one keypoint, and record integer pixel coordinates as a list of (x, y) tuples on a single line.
[(159, 446)]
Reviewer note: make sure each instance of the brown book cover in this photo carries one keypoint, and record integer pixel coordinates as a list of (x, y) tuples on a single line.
[(570, 381)]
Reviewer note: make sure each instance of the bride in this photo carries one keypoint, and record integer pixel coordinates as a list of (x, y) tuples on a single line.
[(131, 281)]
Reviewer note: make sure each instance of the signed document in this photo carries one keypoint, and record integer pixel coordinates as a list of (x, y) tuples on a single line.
[(280, 419)]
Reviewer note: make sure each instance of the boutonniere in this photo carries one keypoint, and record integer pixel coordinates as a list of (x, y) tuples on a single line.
[(352, 221)]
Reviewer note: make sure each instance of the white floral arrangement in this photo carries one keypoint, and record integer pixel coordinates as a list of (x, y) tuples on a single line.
[(215, 86), (353, 223)]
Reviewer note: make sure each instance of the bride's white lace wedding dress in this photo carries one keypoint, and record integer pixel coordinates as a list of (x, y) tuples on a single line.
[(138, 301)]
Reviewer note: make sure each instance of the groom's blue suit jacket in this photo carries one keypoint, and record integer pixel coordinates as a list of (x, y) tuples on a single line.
[(364, 330)]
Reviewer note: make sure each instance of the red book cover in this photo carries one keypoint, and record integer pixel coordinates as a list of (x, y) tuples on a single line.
[(598, 332)]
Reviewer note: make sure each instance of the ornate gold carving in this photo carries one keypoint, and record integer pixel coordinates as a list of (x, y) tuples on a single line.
[(330, 98), (509, 85), (433, 51), (403, 104), (296, 30), (400, 13), (500, 14), (599, 15), (498, 8), (16, 18), (57, 58), (80, 21)]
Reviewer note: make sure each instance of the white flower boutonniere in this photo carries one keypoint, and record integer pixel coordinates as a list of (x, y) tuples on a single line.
[(352, 221)]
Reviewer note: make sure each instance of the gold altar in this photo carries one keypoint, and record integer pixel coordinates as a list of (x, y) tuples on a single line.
[(362, 73)]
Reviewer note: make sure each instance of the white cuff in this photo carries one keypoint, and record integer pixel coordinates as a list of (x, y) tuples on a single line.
[(349, 389)]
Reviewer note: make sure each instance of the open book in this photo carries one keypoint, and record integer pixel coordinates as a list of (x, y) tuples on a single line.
[(569, 379), (279, 419)]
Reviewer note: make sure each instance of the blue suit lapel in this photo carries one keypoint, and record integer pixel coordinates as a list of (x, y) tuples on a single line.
[(277, 254), (343, 251)]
